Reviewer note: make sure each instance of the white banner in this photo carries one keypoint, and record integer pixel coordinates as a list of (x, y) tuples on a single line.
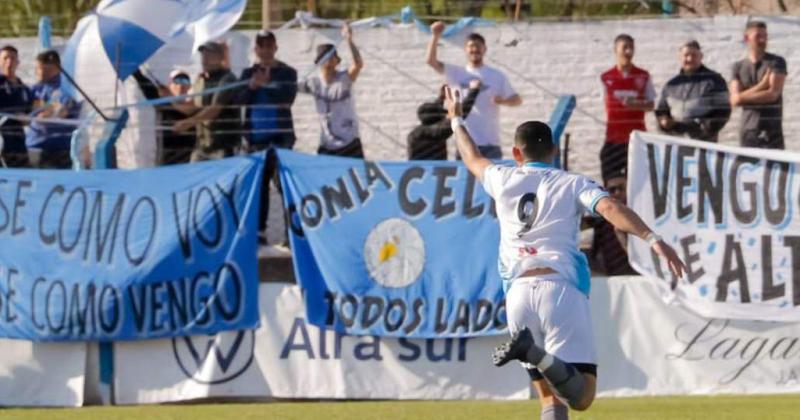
[(731, 213), (41, 374), (289, 358), (648, 348)]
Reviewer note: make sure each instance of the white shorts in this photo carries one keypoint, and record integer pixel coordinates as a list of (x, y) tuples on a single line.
[(557, 314)]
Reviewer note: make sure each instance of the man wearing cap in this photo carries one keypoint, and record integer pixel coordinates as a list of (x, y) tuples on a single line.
[(15, 98), (484, 121), (175, 147), (213, 116), (695, 102), (757, 87), (333, 94), (268, 124), (49, 142)]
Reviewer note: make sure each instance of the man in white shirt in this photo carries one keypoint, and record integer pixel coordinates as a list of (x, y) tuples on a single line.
[(546, 278), (484, 120)]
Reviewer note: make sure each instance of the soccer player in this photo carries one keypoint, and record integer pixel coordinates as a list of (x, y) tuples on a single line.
[(545, 276)]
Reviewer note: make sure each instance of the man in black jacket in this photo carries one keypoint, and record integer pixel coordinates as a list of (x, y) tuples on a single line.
[(695, 102), (268, 125), (428, 141)]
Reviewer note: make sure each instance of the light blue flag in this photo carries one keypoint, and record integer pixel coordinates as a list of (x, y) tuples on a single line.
[(393, 248), (123, 255)]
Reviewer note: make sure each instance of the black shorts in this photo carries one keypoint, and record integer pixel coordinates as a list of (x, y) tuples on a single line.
[(589, 368)]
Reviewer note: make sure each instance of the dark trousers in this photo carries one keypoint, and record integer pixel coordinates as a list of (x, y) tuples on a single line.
[(762, 139), (270, 174), (614, 155), (50, 159), (353, 150)]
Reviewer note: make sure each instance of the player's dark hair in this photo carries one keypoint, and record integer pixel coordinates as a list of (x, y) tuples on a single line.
[(760, 24), (10, 49), (475, 37), (535, 140), (623, 38)]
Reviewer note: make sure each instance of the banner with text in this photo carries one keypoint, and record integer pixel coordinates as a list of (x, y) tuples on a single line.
[(119, 255), (732, 215), (393, 248), (672, 351), (289, 358)]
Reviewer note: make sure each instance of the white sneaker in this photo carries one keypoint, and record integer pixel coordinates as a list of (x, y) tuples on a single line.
[(273, 251)]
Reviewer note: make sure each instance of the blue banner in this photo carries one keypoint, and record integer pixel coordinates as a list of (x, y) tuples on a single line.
[(122, 255), (393, 248)]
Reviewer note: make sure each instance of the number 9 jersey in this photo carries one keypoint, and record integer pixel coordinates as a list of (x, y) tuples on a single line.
[(539, 209)]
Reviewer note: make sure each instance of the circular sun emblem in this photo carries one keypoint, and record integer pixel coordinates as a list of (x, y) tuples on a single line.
[(394, 253)]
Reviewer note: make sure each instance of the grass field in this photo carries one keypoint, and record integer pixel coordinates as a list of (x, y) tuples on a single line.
[(705, 408)]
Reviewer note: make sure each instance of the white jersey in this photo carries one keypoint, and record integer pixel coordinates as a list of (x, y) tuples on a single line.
[(539, 209)]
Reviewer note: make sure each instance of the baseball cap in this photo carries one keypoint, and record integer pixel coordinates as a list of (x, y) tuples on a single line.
[(324, 51), (212, 47), (180, 77)]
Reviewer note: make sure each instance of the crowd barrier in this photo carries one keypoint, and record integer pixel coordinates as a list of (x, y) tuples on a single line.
[(644, 347)]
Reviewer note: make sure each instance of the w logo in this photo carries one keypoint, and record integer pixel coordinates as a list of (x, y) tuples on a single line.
[(215, 359)]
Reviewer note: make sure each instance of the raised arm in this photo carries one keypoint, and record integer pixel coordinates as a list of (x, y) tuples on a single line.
[(626, 220), (436, 33), (469, 152), (358, 62)]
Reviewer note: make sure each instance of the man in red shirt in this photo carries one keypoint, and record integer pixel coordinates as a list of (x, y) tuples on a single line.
[(629, 93)]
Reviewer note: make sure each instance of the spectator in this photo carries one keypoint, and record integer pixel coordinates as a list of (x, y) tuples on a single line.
[(175, 147), (428, 141), (484, 123), (213, 116), (333, 94), (15, 98), (757, 87), (695, 102), (49, 142), (268, 120), (608, 252), (629, 93)]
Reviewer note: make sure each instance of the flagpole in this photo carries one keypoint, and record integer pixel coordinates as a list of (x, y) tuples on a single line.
[(116, 71), (266, 14), (85, 96)]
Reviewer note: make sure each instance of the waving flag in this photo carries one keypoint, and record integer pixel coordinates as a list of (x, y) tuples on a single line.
[(130, 31), (116, 38)]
